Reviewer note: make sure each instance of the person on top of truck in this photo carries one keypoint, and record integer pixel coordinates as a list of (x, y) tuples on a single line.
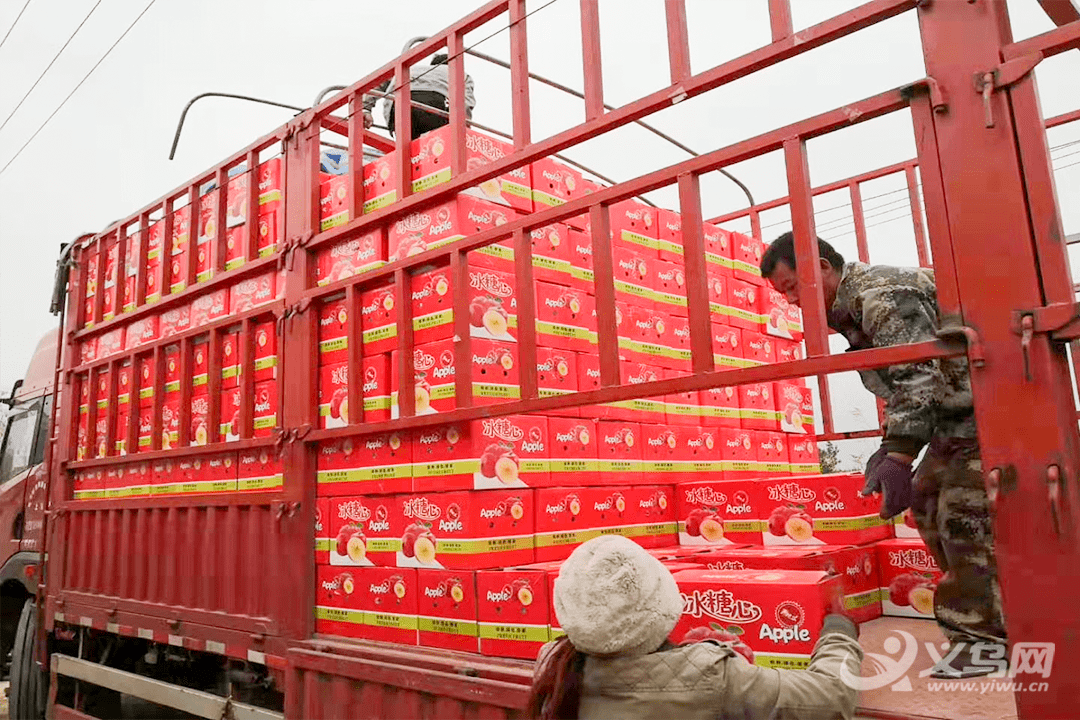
[(927, 403), (618, 604), (430, 87)]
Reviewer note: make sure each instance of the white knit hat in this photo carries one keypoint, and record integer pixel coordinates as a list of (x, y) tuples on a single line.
[(613, 598)]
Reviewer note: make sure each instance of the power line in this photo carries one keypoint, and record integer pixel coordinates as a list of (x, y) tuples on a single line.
[(840, 206), (49, 66), (85, 77), (8, 33)]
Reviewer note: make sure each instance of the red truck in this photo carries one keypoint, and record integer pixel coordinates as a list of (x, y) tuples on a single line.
[(290, 390)]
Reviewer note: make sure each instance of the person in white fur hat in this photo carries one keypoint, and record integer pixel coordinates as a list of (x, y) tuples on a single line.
[(618, 604)]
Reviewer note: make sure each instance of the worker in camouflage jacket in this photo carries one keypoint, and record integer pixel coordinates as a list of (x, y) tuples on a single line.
[(926, 403)]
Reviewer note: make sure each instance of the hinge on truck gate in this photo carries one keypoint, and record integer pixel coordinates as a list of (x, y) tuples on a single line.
[(297, 309), (1004, 75), (289, 248), (933, 89), (297, 124), (288, 437), (970, 337), (1059, 320)]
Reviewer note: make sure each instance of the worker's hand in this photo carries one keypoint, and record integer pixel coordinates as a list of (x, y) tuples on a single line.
[(890, 474), (368, 120)]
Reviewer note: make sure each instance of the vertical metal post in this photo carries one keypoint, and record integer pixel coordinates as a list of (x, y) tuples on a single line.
[(526, 312), (755, 225), (246, 359), (678, 41), (406, 371), (220, 210), (916, 216), (459, 280), (403, 130), (1030, 458), (356, 355), (251, 246), (780, 19), (185, 393), (519, 75), (194, 223), (860, 221), (591, 59), (455, 48), (697, 286), (356, 159), (604, 287)]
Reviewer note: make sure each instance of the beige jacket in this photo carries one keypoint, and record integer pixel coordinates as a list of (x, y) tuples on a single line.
[(709, 681)]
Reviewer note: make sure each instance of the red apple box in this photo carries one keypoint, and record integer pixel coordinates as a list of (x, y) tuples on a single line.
[(450, 221), (682, 408), (266, 408), (89, 484), (229, 415), (140, 478), (650, 336), (772, 454), (230, 360), (253, 292), (333, 201), (431, 167), (566, 517), (334, 332), (322, 531), (670, 287), (718, 248), (791, 396), (746, 254), (365, 531), (758, 349), (718, 513), (669, 236), (780, 318), (475, 216), (492, 305), (856, 566), (581, 259), (803, 454), (433, 364), (551, 254), (744, 305), (378, 320), (652, 511), (144, 431), (620, 450), (221, 472), (634, 277), (776, 614), (236, 191), (757, 407), (389, 599), (662, 450), (373, 464), (513, 612), (634, 225), (565, 318), (170, 423), (270, 185), (727, 345), (101, 440), (380, 183), (720, 302), (495, 372), (204, 261), (789, 351), (236, 240), (267, 240), (467, 530), (334, 395), (123, 417), (110, 343), (116, 482), (738, 454), (337, 602), (556, 375), (492, 453), (821, 510), (88, 351), (677, 354), (265, 350), (175, 321), (375, 390), (447, 610), (199, 429), (554, 183), (573, 450), (154, 265), (652, 410), (259, 470), (909, 575), (207, 308), (141, 331), (82, 440), (347, 258), (200, 356)]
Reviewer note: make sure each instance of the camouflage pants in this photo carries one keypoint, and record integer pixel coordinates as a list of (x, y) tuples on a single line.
[(951, 509)]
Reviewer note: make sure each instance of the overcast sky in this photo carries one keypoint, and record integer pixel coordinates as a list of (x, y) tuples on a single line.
[(105, 154)]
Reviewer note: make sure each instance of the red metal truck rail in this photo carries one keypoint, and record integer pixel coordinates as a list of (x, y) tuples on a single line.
[(186, 518)]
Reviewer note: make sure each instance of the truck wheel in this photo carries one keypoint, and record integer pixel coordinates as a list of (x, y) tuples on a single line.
[(27, 700)]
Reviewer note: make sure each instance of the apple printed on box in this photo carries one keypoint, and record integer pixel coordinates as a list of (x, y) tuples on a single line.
[(554, 183), (669, 235), (251, 293), (758, 349), (210, 307), (670, 288), (803, 455), (551, 254), (333, 201), (492, 305), (442, 457), (89, 484), (347, 258), (334, 395), (746, 252), (909, 578), (365, 531), (634, 277), (619, 447), (265, 351), (652, 510), (230, 360), (267, 241), (771, 617), (322, 531), (574, 454), (789, 351), (720, 407), (433, 380), (144, 438), (772, 454), (388, 597), (718, 248), (200, 356), (110, 343), (495, 372), (720, 302), (123, 417), (718, 513), (565, 318), (376, 387), (744, 305), (229, 415), (265, 408), (556, 375), (642, 409), (738, 454), (380, 183), (821, 509), (513, 612), (663, 452), (447, 610), (373, 464), (164, 477), (781, 318), (378, 320), (235, 247), (467, 529), (170, 424), (856, 566), (432, 306), (581, 259), (199, 433), (337, 602), (334, 331), (222, 472), (791, 398)]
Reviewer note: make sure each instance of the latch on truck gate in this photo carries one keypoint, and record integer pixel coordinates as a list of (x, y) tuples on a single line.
[(1059, 320), (291, 311), (289, 248), (1004, 75)]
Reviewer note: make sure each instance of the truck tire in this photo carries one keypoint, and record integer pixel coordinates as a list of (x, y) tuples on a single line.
[(27, 700)]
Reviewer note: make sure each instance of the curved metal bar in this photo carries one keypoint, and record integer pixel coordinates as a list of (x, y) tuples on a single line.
[(324, 91), (192, 101)]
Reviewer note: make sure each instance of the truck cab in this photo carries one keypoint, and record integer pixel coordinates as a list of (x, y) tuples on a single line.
[(22, 488)]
